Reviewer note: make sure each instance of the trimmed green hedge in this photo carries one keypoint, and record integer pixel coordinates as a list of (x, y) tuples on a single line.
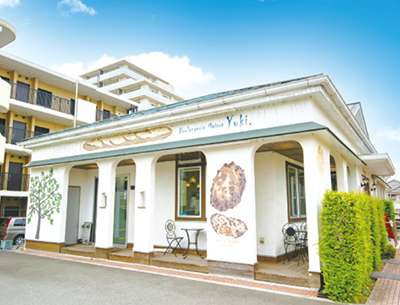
[(352, 240), (389, 209)]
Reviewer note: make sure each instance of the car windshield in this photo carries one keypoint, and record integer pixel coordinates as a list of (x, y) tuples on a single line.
[(3, 222)]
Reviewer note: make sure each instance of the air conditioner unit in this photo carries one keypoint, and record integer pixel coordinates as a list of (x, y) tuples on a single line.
[(86, 232)]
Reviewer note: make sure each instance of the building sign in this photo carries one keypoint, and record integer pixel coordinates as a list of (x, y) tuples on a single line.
[(236, 121)]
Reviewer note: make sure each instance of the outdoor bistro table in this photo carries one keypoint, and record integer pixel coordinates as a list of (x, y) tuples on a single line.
[(198, 230)]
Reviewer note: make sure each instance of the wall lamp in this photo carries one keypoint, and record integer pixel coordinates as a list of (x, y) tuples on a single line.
[(364, 181), (373, 188), (103, 200)]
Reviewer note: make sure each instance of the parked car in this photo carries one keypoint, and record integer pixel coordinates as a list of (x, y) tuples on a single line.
[(12, 228)]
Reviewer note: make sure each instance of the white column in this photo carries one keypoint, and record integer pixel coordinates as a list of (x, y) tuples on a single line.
[(341, 174), (144, 203), (354, 178), (240, 249), (317, 181), (105, 204)]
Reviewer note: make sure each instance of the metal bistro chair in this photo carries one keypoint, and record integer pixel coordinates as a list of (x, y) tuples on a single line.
[(174, 242), (291, 236), (304, 239)]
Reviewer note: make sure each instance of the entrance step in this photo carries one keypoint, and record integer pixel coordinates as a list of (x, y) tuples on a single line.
[(192, 263), (80, 250), (123, 255), (290, 273)]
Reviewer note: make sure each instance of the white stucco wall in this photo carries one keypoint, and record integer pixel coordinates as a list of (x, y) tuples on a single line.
[(165, 205), (271, 201)]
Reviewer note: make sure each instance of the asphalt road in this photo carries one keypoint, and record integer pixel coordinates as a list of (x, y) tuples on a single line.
[(27, 279)]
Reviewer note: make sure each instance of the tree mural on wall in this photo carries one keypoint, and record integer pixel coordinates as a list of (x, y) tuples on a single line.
[(44, 198)]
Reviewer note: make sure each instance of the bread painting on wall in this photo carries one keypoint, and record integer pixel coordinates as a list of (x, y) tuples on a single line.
[(128, 138), (228, 226), (228, 187), (226, 193)]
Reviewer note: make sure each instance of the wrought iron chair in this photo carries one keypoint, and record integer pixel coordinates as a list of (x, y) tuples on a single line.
[(304, 239), (174, 242), (291, 235)]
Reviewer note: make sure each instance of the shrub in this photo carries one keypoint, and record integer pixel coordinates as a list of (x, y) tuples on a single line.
[(376, 232), (392, 250), (381, 223), (352, 240), (342, 245), (389, 209)]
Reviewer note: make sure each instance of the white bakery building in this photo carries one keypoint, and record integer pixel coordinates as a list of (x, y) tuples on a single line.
[(261, 156)]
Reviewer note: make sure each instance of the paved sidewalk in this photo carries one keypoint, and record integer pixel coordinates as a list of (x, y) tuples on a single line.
[(251, 284), (387, 289)]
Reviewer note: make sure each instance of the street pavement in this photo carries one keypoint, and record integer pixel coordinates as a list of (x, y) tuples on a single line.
[(387, 288), (30, 279)]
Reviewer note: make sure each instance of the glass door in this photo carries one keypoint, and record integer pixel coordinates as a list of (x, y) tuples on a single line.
[(120, 211)]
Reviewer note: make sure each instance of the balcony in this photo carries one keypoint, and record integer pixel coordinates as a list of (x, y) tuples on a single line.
[(104, 115), (15, 135), (5, 89), (23, 93), (14, 182)]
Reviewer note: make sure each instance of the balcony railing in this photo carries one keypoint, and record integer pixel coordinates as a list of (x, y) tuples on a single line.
[(104, 115), (15, 135), (14, 182), (24, 93)]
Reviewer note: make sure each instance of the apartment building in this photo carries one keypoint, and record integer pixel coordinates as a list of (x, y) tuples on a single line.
[(43, 101), (143, 89), (7, 35)]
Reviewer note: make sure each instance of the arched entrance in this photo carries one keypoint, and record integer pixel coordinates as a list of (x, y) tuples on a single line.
[(81, 206), (280, 199)]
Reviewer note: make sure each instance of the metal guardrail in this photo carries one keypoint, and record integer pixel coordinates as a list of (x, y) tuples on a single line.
[(14, 182), (104, 115), (24, 93), (15, 135)]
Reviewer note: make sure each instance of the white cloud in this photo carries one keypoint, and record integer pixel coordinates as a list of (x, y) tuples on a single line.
[(176, 70), (389, 133), (10, 3), (76, 69), (72, 70), (103, 61), (76, 7)]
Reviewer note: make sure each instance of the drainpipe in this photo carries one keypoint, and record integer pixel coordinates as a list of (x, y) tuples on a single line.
[(76, 101)]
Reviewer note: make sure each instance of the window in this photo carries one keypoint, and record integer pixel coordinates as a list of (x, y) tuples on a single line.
[(41, 130), (106, 114), (19, 222), (5, 79), (44, 98), (190, 203), (296, 192), (22, 93)]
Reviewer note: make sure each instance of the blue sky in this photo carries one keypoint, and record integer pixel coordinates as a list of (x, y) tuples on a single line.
[(221, 45)]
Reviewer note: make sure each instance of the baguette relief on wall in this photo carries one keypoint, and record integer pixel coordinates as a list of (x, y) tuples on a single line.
[(128, 138)]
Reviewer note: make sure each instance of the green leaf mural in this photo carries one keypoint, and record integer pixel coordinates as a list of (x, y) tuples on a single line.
[(44, 199)]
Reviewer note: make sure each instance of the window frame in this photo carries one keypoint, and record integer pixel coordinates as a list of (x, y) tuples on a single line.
[(300, 217), (202, 165)]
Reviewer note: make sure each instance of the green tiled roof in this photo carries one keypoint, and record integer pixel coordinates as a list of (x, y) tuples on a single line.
[(225, 138)]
